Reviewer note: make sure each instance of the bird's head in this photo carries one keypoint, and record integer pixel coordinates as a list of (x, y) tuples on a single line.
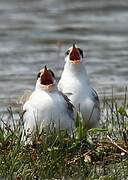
[(74, 55), (45, 79)]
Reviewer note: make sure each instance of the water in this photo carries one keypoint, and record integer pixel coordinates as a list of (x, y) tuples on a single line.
[(38, 32)]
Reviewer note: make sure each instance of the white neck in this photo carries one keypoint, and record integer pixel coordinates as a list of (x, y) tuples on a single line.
[(49, 88), (74, 67), (75, 70)]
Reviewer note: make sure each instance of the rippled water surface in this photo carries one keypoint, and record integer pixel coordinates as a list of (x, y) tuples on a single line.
[(38, 32)]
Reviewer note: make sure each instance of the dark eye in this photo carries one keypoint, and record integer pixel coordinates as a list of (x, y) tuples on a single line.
[(52, 73), (67, 53), (38, 75), (81, 52)]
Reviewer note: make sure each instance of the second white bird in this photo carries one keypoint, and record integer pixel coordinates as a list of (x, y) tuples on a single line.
[(75, 84)]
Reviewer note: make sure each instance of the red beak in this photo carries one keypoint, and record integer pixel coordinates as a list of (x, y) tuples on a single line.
[(74, 55), (46, 77)]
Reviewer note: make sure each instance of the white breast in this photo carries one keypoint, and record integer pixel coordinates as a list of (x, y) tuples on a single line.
[(44, 108)]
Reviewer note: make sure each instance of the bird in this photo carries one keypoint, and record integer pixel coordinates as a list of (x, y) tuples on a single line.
[(74, 82), (47, 104)]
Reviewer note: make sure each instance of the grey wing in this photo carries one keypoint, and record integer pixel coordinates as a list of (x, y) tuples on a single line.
[(96, 107), (95, 99), (95, 95), (69, 105)]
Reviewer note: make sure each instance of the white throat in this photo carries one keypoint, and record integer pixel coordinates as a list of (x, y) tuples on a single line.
[(76, 70), (74, 78), (48, 88)]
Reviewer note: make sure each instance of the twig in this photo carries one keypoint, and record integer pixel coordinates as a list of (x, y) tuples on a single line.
[(116, 144)]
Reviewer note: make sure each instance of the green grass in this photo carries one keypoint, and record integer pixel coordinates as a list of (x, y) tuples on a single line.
[(100, 153)]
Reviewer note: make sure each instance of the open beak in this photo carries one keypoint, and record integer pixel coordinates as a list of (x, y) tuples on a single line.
[(74, 55), (46, 78)]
